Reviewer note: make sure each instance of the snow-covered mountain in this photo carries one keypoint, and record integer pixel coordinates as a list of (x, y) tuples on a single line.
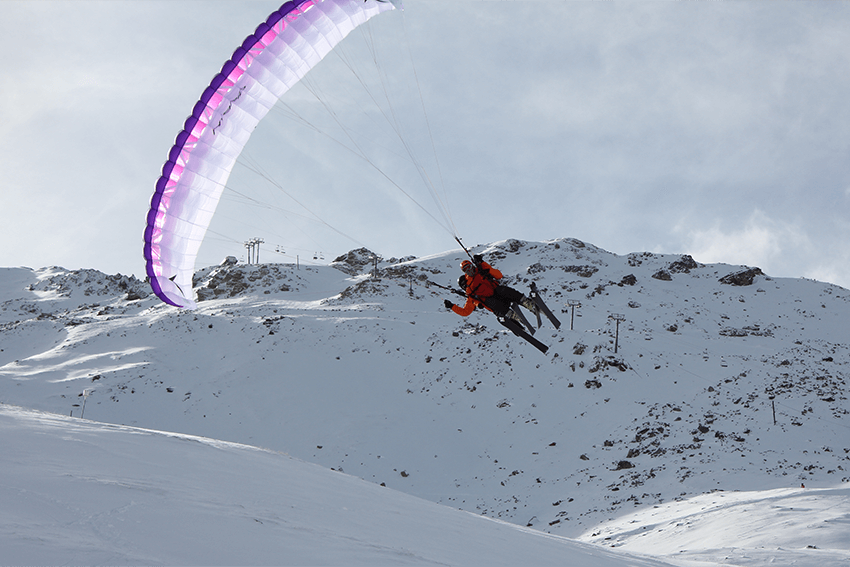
[(723, 380)]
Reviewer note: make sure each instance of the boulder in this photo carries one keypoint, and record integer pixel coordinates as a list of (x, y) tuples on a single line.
[(742, 278)]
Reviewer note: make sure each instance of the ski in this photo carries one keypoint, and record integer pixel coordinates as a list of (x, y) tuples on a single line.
[(517, 329), (537, 313), (535, 296), (515, 309)]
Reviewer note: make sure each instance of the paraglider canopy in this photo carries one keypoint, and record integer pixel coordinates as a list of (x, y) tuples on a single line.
[(269, 62)]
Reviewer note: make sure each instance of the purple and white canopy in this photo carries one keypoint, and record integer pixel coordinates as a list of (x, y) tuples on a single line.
[(268, 63)]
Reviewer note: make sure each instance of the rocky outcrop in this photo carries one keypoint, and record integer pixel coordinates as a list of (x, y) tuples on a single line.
[(742, 278), (354, 262)]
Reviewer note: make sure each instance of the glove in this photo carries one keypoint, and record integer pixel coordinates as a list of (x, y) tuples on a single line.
[(477, 259), (448, 304)]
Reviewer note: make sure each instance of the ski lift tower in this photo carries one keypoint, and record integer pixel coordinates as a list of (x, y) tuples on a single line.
[(248, 246), (573, 303), (617, 317), (253, 247), (86, 393)]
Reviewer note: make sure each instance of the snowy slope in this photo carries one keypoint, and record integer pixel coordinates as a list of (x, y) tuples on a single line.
[(802, 526), (83, 493), (371, 376)]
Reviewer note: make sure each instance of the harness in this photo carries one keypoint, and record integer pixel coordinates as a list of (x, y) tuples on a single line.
[(485, 280)]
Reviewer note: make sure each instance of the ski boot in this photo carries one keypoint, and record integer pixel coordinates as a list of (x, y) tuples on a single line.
[(515, 314), (511, 314), (529, 304)]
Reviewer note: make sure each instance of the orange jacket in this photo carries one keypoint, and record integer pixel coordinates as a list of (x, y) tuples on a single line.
[(480, 287)]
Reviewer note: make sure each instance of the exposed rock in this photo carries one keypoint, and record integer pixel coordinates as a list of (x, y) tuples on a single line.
[(582, 271), (514, 245), (225, 283), (603, 362), (353, 262), (683, 265), (754, 330), (635, 259), (92, 282), (229, 280), (360, 290), (744, 277), (535, 269)]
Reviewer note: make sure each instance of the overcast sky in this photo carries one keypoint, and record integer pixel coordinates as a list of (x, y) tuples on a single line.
[(720, 130)]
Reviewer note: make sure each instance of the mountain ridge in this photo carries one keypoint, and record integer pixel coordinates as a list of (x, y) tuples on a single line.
[(372, 376)]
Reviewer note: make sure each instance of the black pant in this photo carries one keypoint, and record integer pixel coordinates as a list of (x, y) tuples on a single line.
[(500, 301)]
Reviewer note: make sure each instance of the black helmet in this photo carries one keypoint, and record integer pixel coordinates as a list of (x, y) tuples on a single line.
[(461, 281)]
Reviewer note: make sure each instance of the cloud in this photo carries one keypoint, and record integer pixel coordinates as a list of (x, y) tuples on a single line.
[(760, 240), (780, 248)]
